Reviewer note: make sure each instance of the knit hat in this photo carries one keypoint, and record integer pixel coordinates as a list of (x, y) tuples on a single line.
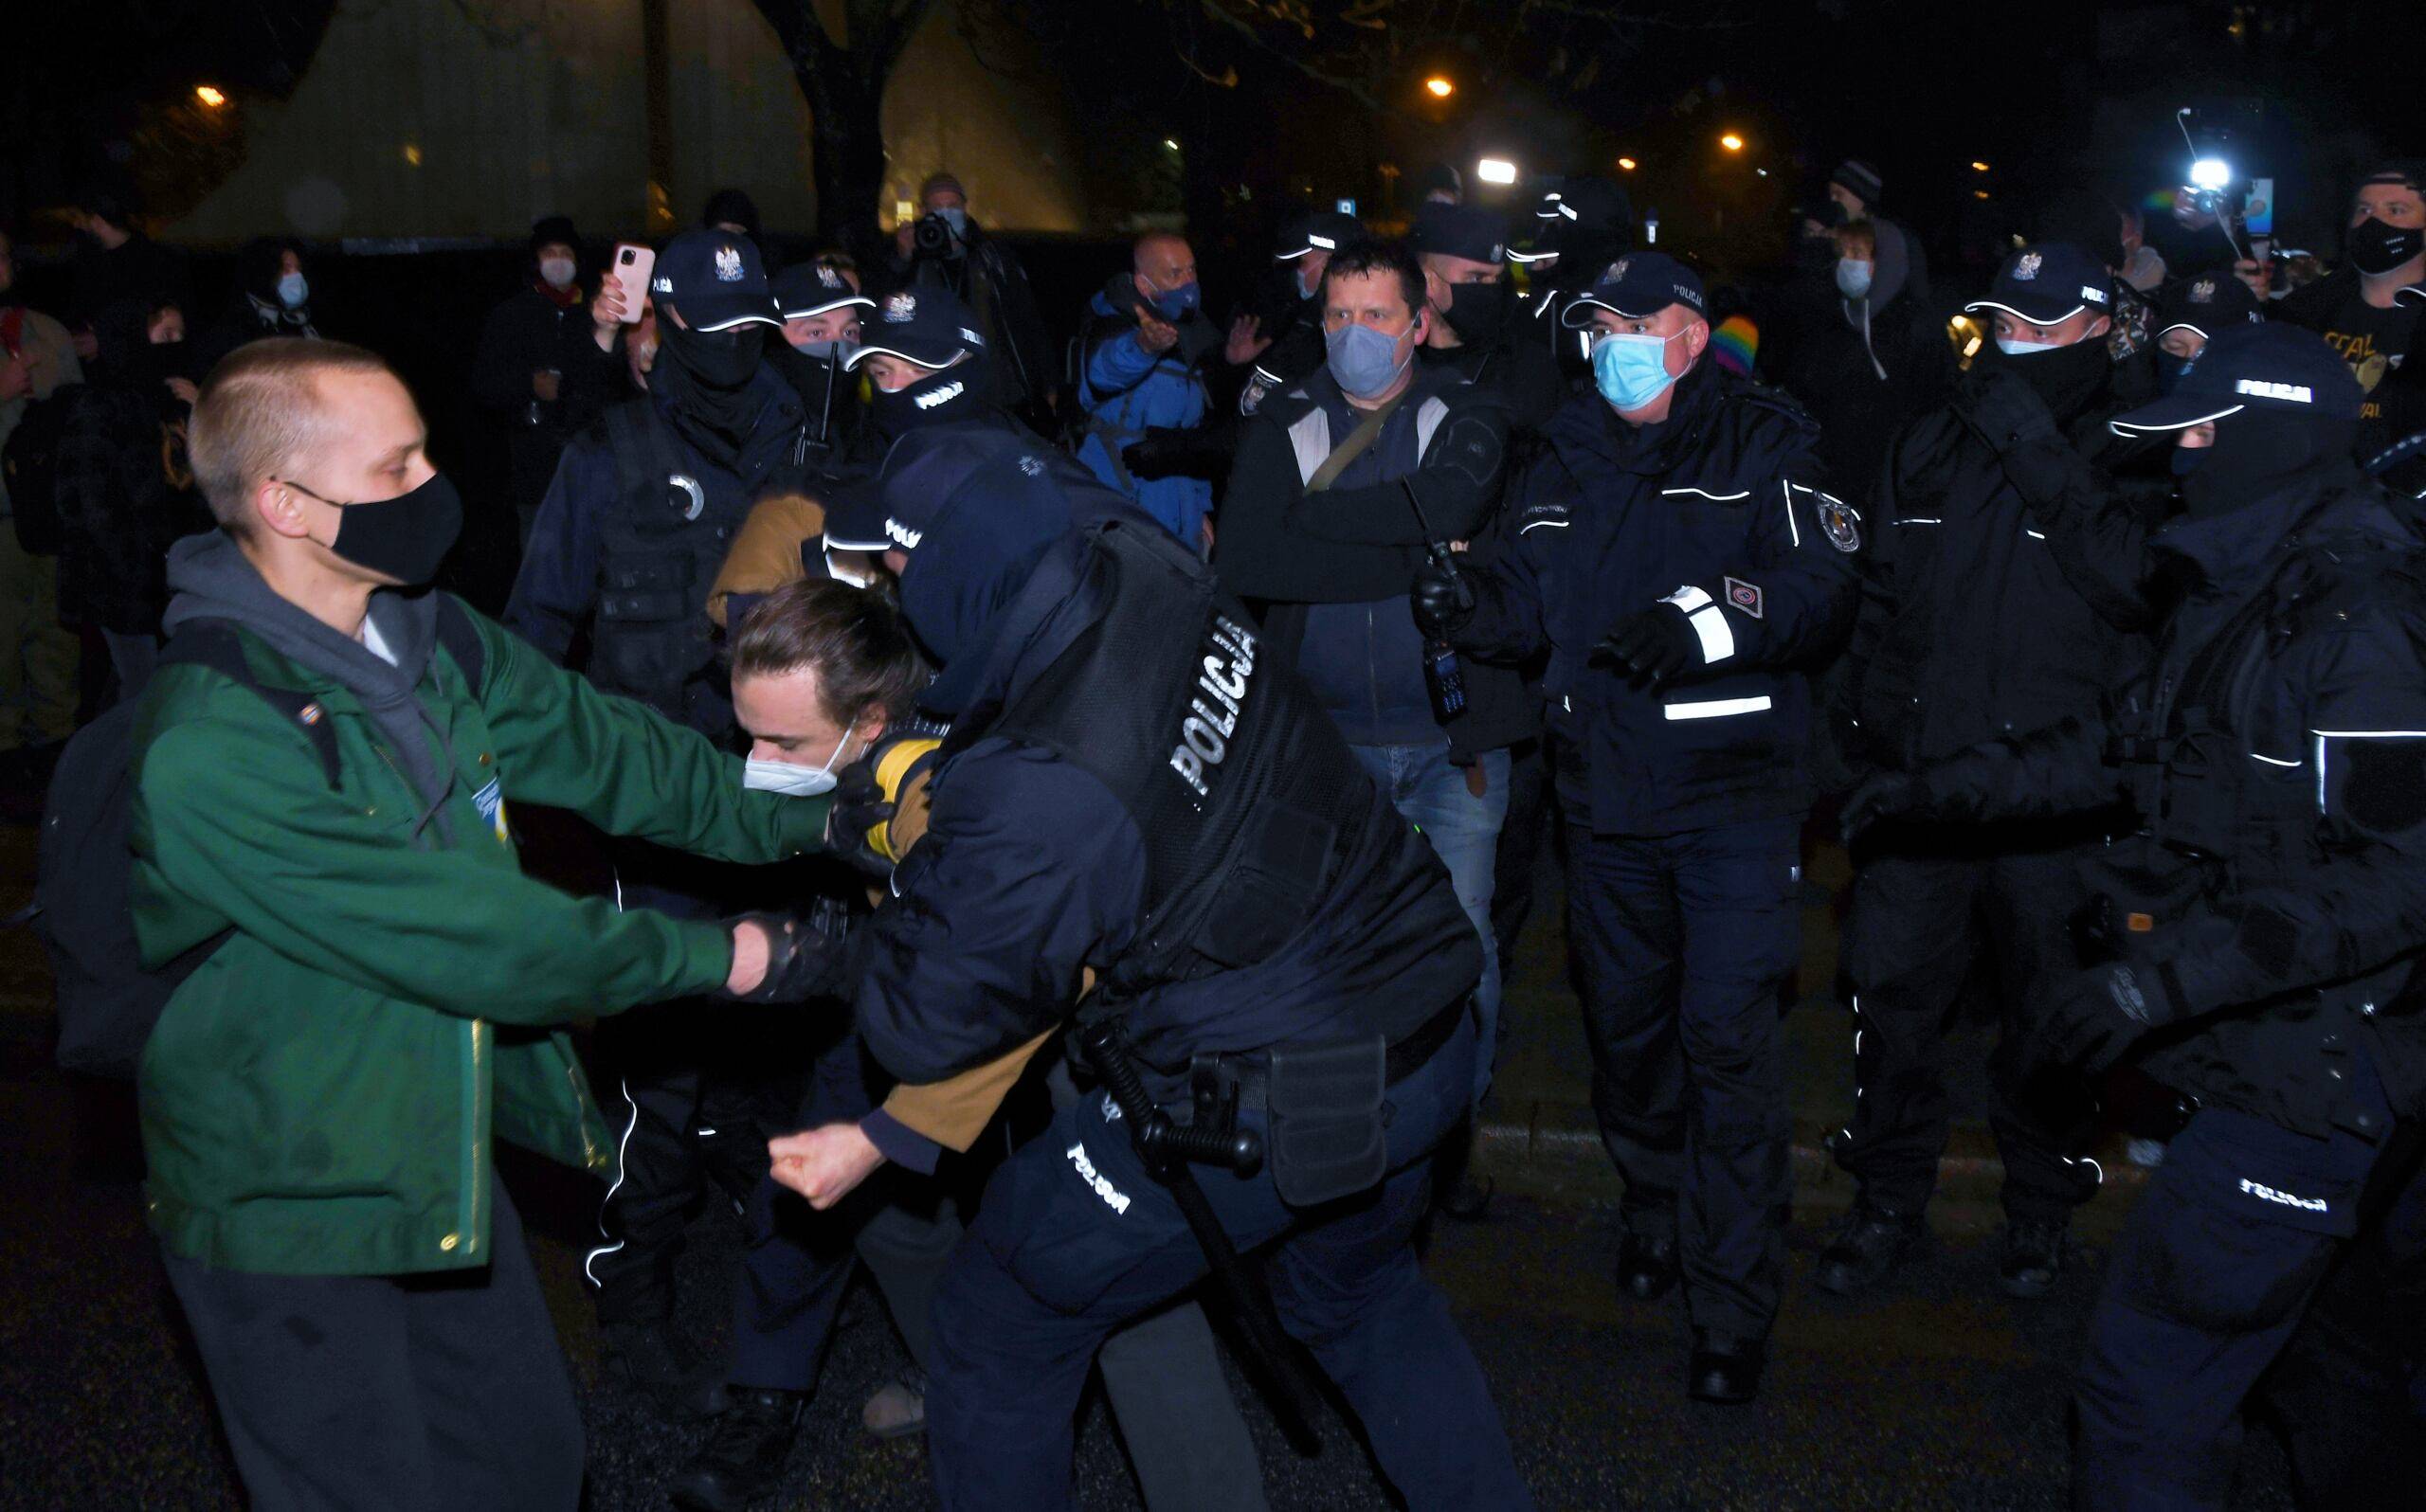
[(937, 181), (550, 230), (1861, 179)]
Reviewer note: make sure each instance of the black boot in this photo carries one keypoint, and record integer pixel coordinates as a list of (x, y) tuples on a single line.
[(743, 1459), (655, 1364), (2034, 1259), (1723, 1369), (1871, 1242), (1647, 1264)]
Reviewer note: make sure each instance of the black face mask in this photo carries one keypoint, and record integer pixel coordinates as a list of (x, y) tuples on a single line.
[(2377, 248), (707, 374), (2067, 379), (1477, 312), (2258, 453), (939, 399), (403, 538), (719, 360)]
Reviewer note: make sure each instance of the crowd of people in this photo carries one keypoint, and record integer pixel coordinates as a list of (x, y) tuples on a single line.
[(1211, 690)]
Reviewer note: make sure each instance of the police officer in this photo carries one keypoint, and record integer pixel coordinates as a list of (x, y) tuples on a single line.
[(2002, 589), (626, 542), (2257, 938), (2191, 313), (1673, 554), (1463, 253), (1281, 334), (822, 308), (1134, 787), (1580, 225)]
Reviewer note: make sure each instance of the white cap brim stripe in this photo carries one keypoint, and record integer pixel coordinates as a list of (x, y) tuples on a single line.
[(2125, 427), (865, 352), (827, 308), (880, 543), (739, 320), (2023, 315)]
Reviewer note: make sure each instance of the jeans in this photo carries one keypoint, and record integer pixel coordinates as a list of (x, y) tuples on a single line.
[(1464, 831)]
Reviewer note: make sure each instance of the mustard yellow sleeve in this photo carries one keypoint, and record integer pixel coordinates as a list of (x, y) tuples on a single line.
[(766, 550)]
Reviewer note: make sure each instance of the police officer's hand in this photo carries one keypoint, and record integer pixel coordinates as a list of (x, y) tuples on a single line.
[(824, 1164), (859, 807), (2089, 1021), (1880, 796), (1156, 455), (806, 957), (1442, 598), (1652, 647), (2004, 415)]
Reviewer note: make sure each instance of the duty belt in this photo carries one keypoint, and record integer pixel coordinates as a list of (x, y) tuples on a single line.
[(1247, 1076)]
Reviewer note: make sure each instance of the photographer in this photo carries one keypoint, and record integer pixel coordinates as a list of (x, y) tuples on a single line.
[(945, 249), (1143, 343)]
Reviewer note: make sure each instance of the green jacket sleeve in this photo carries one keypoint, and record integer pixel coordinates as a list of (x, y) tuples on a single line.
[(626, 769), (236, 814)]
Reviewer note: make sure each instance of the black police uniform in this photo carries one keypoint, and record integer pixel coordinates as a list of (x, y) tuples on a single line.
[(1290, 316), (1134, 787), (2264, 924), (625, 548), (2001, 590), (1683, 803)]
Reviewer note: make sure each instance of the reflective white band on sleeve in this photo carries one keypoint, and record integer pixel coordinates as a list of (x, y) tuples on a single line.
[(1709, 621), (1718, 708)]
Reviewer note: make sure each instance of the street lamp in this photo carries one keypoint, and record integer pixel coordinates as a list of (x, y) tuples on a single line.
[(1977, 167), (1731, 142), (212, 99), (1496, 170), (1439, 88), (1627, 163)]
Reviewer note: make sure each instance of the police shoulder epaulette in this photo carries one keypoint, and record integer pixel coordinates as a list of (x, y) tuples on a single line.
[(1753, 392)]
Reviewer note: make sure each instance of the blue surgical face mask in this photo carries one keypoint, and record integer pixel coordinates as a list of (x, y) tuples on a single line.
[(292, 291), (1172, 303), (955, 217), (1630, 371), (2171, 371), (2012, 347), (1364, 361), (1853, 278)]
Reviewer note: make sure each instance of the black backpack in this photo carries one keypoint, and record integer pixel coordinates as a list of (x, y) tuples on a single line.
[(108, 1002), (31, 464)]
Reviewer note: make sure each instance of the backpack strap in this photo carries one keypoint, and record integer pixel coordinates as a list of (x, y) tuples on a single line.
[(216, 644), (462, 638)]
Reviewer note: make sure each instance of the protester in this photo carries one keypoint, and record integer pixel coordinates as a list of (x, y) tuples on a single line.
[(2008, 483), (537, 370), (273, 298), (124, 485), (1855, 187), (946, 249), (2361, 310), (2250, 937), (117, 262), (1343, 484), (1142, 347), (37, 657), (1716, 571), (1876, 368), (318, 1106)]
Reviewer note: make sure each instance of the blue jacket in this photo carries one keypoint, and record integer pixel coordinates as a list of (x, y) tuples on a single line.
[(1717, 512), (1128, 391)]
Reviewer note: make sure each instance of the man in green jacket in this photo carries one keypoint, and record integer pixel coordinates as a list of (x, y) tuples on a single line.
[(319, 1096)]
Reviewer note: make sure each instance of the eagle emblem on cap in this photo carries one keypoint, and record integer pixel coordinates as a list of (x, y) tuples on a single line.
[(900, 307), (829, 279), (2025, 267), (1617, 271), (2202, 291), (728, 264)]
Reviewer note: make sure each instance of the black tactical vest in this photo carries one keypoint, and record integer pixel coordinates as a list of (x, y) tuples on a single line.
[(1246, 797), (661, 543)]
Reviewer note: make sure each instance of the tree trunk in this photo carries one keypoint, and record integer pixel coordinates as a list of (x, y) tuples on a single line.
[(847, 134)]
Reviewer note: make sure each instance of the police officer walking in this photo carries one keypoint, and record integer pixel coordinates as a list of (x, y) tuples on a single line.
[(2259, 932), (1673, 554), (2001, 590), (626, 545), (1133, 788)]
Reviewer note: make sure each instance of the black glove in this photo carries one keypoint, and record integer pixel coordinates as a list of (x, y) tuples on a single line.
[(1652, 647), (1162, 453), (808, 954), (2089, 1021), (2005, 414), (859, 805), (1880, 796), (1442, 598)]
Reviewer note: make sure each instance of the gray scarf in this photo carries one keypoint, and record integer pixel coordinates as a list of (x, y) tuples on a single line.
[(211, 580)]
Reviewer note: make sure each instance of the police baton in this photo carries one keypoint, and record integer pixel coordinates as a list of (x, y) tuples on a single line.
[(1168, 1149)]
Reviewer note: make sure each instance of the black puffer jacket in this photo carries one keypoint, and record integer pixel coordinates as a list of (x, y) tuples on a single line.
[(2274, 754), (2001, 586)]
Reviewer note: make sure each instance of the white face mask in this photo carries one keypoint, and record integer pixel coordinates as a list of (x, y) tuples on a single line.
[(2015, 346), (795, 780), (557, 272)]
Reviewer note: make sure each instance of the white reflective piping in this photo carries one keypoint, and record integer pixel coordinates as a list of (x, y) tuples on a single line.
[(1545, 524), (1723, 499), (2033, 534), (1788, 489), (1689, 598), (2272, 761), (1717, 708), (2123, 427), (1916, 519), (2091, 1162), (591, 1258)]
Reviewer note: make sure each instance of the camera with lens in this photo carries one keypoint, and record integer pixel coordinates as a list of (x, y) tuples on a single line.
[(931, 236)]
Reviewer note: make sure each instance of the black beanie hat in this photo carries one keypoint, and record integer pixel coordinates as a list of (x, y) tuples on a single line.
[(550, 228), (1861, 179)]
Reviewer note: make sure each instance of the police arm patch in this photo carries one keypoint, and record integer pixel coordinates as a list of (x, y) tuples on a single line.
[(1840, 521), (1744, 597)]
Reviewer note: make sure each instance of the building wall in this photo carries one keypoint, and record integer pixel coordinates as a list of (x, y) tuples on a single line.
[(473, 118)]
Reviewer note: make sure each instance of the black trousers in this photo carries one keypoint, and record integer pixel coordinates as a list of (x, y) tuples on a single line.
[(1919, 922), (445, 1390)]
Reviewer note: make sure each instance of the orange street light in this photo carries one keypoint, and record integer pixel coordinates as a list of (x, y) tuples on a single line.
[(1439, 88), (1978, 167), (210, 98), (1627, 163), (1731, 142)]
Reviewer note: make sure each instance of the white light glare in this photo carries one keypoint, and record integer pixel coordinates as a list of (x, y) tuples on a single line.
[(2210, 174), (1496, 170)]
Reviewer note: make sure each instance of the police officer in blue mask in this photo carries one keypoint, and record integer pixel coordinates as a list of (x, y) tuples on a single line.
[(1672, 553)]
